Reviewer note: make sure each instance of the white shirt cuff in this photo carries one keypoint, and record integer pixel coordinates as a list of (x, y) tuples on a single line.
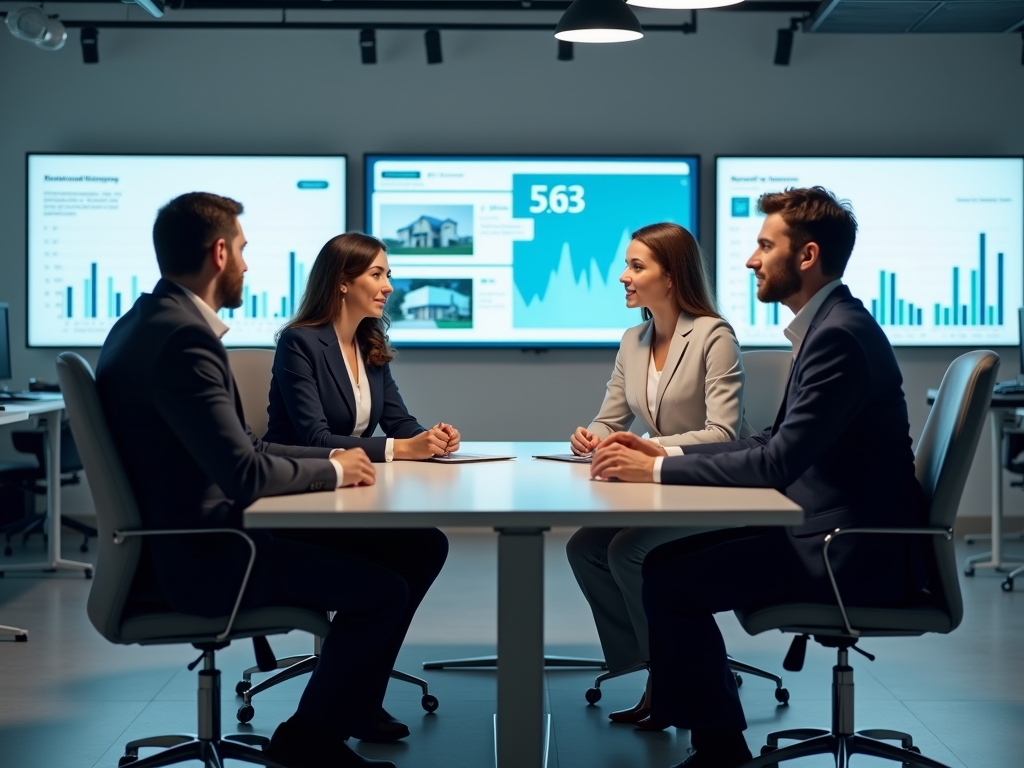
[(673, 450), (389, 450), (657, 468), (339, 471)]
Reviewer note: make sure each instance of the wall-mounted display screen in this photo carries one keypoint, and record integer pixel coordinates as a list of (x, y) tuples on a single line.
[(939, 259), (90, 247), (518, 251)]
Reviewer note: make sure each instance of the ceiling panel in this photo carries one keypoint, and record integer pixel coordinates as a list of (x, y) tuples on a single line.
[(925, 16)]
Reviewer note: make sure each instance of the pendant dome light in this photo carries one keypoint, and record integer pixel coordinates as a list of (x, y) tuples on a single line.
[(682, 5), (598, 21)]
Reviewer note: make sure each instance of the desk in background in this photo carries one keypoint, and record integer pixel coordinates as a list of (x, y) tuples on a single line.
[(49, 411), (520, 500), (1002, 414)]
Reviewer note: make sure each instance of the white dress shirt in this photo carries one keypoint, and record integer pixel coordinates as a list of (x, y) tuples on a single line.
[(219, 327), (361, 391), (796, 331)]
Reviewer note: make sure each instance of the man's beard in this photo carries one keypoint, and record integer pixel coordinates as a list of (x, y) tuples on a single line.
[(780, 284), (229, 287)]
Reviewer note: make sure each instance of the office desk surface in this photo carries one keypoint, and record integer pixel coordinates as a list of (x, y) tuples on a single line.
[(525, 492), (12, 417)]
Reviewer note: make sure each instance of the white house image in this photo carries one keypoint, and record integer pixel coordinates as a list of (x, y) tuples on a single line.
[(433, 303), (428, 232)]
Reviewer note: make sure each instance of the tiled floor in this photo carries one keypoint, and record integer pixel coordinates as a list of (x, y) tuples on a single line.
[(69, 698)]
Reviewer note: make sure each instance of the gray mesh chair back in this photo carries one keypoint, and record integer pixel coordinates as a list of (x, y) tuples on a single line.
[(253, 369), (945, 452), (766, 373), (116, 508)]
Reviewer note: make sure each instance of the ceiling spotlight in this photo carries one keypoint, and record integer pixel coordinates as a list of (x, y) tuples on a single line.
[(564, 50), (432, 38), (683, 5), (34, 26), (368, 45), (154, 7), (90, 45), (784, 43), (598, 21)]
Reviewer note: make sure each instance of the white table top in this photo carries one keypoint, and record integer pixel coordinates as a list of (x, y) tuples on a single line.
[(9, 417), (526, 492), (32, 408)]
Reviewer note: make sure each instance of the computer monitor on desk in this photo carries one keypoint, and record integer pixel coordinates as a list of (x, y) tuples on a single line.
[(5, 344)]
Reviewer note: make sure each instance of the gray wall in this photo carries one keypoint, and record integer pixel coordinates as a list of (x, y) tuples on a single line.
[(713, 93)]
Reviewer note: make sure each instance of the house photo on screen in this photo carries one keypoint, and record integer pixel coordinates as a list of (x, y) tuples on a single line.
[(428, 229), (432, 303)]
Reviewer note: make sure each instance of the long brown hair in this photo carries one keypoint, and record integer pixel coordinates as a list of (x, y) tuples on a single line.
[(677, 252), (344, 258)]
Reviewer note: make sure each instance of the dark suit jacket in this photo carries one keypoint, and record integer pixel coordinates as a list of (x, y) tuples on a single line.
[(176, 418), (312, 402), (840, 448)]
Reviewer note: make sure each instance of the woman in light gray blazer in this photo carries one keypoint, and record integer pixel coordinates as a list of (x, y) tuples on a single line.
[(680, 373)]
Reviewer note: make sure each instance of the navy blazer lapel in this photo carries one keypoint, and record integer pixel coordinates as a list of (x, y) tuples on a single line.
[(375, 376), (336, 363)]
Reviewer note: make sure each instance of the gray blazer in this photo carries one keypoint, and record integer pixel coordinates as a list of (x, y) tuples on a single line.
[(700, 397)]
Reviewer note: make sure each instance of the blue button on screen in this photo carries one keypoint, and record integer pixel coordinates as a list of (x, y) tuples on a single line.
[(312, 185)]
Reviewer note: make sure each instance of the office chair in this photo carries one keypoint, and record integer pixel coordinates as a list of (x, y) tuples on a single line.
[(766, 374), (125, 621), (1013, 461), (30, 477), (253, 370), (943, 459)]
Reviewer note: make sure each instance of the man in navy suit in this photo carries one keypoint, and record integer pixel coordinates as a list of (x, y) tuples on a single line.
[(176, 418), (840, 448)]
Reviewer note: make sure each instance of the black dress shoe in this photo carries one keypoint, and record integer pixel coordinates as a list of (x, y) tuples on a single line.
[(384, 732), (298, 745), (651, 725), (705, 758), (633, 715)]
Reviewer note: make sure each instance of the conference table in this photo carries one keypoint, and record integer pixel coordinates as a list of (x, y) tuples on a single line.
[(520, 499), (48, 411)]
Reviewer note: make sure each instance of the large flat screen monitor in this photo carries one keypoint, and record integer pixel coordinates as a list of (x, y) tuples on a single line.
[(939, 258), (90, 247), (517, 251)]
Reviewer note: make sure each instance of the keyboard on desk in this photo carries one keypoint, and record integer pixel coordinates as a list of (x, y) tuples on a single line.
[(1009, 388)]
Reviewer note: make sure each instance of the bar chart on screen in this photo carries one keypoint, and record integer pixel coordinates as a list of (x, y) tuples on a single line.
[(939, 257), (91, 253)]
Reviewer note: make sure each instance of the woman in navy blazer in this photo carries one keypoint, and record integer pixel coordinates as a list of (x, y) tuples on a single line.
[(332, 383)]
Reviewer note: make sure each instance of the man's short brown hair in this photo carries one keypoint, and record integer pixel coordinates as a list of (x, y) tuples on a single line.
[(187, 226), (814, 215)]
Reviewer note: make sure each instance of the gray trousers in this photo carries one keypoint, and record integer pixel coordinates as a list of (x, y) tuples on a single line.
[(608, 565)]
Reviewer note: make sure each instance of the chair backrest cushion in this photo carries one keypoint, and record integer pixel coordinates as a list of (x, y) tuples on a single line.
[(116, 507), (253, 369), (945, 452), (765, 375)]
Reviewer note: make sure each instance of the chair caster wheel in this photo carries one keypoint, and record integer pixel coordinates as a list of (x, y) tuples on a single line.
[(968, 571), (84, 548), (245, 713), (739, 680), (782, 695), (916, 751), (88, 573), (429, 702), (593, 695), (127, 760), (1007, 585), (767, 750), (242, 686)]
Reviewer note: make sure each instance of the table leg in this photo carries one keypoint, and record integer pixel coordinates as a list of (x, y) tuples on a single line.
[(998, 419), (53, 524), (520, 725)]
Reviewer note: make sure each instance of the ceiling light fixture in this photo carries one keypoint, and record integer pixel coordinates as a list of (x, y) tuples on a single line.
[(683, 5), (432, 39), (565, 52), (368, 45), (34, 26), (598, 21), (784, 43)]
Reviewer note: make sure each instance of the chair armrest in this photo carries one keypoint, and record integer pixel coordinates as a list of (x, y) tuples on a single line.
[(946, 532), (120, 536)]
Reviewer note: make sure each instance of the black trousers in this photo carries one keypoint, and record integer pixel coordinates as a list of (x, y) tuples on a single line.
[(686, 582), (375, 580)]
